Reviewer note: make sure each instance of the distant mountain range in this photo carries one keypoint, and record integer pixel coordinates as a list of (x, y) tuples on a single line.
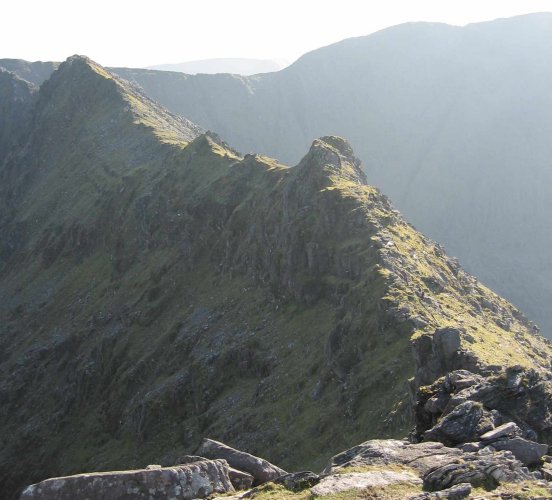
[(239, 66), (156, 286)]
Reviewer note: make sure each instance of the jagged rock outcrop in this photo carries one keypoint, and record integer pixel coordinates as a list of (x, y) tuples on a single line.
[(240, 479), (457, 492), (160, 287), (198, 480), (439, 467), (261, 470), (384, 452), (297, 481), (463, 406)]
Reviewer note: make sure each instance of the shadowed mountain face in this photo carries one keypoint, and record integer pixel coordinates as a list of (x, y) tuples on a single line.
[(156, 286), (33, 72), (16, 101), (453, 124)]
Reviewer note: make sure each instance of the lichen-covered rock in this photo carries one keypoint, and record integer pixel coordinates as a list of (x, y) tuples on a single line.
[(484, 468), (240, 480), (422, 457), (196, 480), (439, 466), (189, 459), (508, 429), (337, 483), (297, 481), (456, 492), (527, 452), (467, 422), (522, 397), (261, 470)]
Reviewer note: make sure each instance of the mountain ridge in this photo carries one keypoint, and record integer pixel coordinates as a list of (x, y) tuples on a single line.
[(442, 116), (161, 286)]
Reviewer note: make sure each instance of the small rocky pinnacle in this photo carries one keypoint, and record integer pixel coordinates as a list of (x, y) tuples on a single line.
[(333, 155)]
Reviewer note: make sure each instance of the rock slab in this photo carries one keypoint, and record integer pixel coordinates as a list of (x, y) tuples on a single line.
[(297, 481), (421, 456), (527, 452), (337, 483), (261, 470), (504, 430), (184, 482)]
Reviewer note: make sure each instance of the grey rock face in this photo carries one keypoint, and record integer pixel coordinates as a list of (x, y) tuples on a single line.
[(527, 452), (456, 492), (438, 354), (190, 459), (376, 479), (297, 481), (262, 470), (422, 457), (504, 430), (484, 468), (197, 480), (465, 423), (239, 479), (521, 397), (438, 466)]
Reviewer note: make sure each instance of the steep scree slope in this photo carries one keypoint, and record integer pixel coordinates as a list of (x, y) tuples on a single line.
[(156, 287)]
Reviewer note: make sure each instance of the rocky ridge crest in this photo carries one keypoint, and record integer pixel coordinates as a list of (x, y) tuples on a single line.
[(157, 287)]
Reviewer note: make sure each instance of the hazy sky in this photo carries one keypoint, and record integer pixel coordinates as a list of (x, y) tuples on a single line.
[(143, 33)]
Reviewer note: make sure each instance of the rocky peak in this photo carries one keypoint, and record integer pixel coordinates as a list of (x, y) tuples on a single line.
[(332, 158), (81, 86)]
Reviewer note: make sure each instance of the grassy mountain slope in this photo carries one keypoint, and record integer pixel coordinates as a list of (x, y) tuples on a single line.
[(159, 287), (452, 123)]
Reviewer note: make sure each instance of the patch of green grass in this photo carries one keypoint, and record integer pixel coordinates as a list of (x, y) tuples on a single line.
[(398, 491), (377, 468)]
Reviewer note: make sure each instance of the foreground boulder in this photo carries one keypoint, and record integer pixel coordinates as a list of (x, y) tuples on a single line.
[(502, 412), (507, 430), (457, 492), (261, 470), (482, 469), (465, 423), (338, 483), (438, 466), (240, 480), (195, 480), (297, 481), (528, 452), (422, 457), (473, 401)]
